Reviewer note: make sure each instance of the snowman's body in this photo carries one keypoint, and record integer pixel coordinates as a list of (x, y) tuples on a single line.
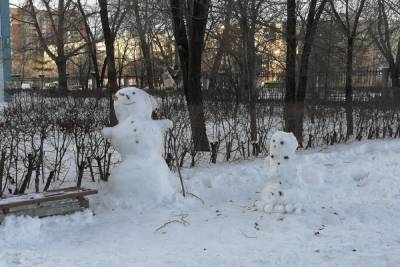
[(142, 178), (282, 193)]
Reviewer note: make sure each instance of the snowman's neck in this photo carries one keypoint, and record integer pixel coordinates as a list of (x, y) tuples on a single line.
[(134, 118)]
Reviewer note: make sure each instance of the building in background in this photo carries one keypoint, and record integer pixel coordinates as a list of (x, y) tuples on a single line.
[(5, 50), (28, 54)]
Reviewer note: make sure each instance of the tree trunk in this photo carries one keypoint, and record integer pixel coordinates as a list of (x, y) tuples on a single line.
[(394, 75), (62, 74), (291, 46), (313, 18), (247, 21), (91, 46), (194, 95), (293, 117), (349, 86), (61, 60), (293, 112), (311, 29), (250, 77), (93, 53), (111, 70), (144, 47), (147, 63), (349, 69), (190, 47), (2, 163), (103, 71)]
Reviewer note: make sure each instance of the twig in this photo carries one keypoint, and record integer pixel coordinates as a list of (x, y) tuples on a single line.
[(181, 221), (199, 198), (177, 164)]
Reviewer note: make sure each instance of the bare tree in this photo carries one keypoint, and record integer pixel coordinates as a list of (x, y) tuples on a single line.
[(142, 24), (110, 30), (291, 46), (189, 23), (313, 17), (223, 45), (61, 18), (109, 39), (294, 108), (91, 41), (349, 23), (249, 12), (385, 34)]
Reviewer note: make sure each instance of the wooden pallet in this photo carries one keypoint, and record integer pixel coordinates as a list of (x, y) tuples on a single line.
[(55, 202)]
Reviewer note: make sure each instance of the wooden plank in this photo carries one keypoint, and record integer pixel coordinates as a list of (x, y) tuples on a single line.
[(50, 210), (42, 211), (15, 198), (80, 193), (57, 207), (61, 202), (66, 189)]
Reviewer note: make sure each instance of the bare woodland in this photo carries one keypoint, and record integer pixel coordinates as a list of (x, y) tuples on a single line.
[(326, 70)]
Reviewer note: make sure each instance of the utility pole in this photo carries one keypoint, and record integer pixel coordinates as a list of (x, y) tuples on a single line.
[(5, 50)]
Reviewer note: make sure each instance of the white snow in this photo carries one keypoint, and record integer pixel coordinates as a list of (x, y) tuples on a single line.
[(352, 219), (142, 179)]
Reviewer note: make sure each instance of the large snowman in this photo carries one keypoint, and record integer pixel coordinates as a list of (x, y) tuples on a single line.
[(142, 179), (282, 192)]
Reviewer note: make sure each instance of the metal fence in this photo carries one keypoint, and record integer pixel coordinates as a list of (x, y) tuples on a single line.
[(368, 85)]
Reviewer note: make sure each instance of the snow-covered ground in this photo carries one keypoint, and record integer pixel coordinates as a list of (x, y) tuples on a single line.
[(352, 218)]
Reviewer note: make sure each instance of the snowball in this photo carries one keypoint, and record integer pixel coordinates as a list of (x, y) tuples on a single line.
[(131, 101), (282, 150)]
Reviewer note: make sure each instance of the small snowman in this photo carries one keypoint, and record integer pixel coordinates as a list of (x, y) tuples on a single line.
[(282, 192), (142, 178)]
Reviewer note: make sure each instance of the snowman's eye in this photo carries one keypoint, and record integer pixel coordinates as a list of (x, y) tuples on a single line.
[(282, 142), (273, 140)]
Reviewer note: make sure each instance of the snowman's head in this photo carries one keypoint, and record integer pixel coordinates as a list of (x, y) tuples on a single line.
[(282, 146), (133, 102)]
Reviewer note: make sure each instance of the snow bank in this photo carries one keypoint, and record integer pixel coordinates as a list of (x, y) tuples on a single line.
[(27, 230), (352, 219)]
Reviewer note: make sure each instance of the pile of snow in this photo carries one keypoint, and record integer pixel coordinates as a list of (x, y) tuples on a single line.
[(143, 178), (351, 219)]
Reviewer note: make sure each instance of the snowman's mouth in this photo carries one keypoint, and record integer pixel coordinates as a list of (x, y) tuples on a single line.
[(128, 104)]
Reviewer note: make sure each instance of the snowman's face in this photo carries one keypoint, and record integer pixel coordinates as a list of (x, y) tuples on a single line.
[(132, 102), (282, 146)]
